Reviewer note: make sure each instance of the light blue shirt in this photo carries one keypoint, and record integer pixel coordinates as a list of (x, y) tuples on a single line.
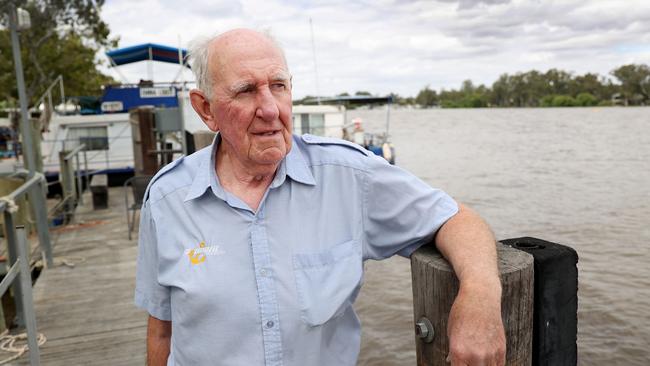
[(276, 286)]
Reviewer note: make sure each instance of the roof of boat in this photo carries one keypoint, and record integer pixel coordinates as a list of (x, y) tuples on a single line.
[(312, 108), (145, 52), (352, 99)]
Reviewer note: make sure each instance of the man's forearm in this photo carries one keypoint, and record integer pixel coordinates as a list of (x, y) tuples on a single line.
[(475, 328), (159, 333), (469, 245)]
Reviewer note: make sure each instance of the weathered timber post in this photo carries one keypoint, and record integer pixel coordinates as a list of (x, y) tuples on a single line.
[(435, 287)]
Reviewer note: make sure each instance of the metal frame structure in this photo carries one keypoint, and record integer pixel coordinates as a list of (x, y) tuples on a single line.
[(138, 185), (71, 180), (18, 275)]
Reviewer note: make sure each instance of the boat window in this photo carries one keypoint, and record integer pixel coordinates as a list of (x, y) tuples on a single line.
[(317, 124), (95, 138), (312, 123), (304, 123)]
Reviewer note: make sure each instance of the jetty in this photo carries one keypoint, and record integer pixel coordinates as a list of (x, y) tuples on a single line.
[(84, 302)]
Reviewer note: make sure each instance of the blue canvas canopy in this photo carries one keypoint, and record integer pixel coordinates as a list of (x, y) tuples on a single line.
[(146, 52)]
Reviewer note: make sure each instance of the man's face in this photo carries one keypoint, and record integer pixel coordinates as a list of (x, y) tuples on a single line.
[(251, 100)]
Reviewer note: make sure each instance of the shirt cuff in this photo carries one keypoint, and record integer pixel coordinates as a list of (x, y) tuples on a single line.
[(406, 252), (156, 310)]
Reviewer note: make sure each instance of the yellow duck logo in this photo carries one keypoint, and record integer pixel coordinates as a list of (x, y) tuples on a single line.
[(196, 258)]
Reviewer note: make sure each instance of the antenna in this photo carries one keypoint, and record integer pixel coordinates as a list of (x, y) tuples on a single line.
[(313, 49)]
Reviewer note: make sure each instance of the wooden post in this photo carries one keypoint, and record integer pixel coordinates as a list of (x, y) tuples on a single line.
[(144, 140), (435, 287), (203, 139)]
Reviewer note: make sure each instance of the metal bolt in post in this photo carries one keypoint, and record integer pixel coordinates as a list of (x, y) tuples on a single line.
[(424, 330)]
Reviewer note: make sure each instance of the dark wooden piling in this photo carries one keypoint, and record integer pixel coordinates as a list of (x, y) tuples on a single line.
[(555, 317), (435, 287)]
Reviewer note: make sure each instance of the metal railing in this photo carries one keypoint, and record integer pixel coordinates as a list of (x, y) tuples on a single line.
[(35, 188), (70, 177), (46, 98), (18, 276)]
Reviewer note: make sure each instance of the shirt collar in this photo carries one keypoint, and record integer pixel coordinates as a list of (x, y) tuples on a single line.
[(293, 165)]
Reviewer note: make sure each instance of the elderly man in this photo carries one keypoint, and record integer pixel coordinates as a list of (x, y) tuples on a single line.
[(251, 251)]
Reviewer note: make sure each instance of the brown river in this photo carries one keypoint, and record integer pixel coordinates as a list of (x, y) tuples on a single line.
[(575, 176)]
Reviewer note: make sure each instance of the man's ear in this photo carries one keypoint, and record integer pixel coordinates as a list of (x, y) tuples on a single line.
[(201, 105)]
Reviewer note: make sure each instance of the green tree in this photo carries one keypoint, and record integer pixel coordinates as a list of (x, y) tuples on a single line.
[(427, 97), (501, 95), (64, 37), (635, 83), (558, 81), (586, 100), (564, 101)]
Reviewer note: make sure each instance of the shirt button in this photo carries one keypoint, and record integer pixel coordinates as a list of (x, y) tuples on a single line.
[(264, 272), (270, 324)]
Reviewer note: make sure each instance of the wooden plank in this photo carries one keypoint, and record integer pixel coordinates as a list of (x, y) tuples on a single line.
[(87, 311)]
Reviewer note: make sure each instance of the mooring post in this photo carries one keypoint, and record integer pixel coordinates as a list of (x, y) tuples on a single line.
[(435, 287), (555, 316)]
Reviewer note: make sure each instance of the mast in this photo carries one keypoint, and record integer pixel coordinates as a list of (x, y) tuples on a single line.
[(313, 50)]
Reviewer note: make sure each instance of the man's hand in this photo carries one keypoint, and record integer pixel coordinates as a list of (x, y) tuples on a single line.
[(475, 328)]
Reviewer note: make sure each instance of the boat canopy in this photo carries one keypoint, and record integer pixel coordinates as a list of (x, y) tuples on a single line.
[(146, 52), (353, 99)]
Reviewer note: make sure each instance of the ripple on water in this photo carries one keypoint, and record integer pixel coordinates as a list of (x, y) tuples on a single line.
[(572, 176)]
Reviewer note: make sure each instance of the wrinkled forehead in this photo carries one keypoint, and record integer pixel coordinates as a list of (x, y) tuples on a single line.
[(234, 53)]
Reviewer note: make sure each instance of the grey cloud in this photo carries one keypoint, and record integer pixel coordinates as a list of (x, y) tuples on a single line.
[(469, 4), (206, 8)]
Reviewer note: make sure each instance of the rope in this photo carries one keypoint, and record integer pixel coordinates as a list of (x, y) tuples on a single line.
[(12, 207), (8, 344), (70, 262)]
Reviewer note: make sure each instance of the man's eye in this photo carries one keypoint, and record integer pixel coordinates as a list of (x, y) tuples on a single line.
[(279, 86)]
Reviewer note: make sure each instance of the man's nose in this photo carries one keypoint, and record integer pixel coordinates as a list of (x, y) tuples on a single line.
[(267, 106)]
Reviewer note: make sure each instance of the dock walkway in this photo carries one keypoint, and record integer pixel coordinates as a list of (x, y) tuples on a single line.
[(86, 311)]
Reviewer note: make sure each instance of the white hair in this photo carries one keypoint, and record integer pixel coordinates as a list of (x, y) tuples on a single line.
[(199, 58)]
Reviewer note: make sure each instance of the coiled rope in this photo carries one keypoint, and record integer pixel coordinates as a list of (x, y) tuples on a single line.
[(11, 204), (8, 344)]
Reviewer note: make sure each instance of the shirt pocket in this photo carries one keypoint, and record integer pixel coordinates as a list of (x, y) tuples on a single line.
[(328, 281)]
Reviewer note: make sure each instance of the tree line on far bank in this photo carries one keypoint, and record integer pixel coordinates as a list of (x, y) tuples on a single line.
[(553, 88)]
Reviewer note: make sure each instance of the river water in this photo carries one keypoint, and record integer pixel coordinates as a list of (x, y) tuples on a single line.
[(575, 176)]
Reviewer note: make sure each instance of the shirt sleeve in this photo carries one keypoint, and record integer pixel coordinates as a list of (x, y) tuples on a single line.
[(401, 211), (149, 294)]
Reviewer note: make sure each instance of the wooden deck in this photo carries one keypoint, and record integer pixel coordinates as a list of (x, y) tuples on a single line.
[(86, 311)]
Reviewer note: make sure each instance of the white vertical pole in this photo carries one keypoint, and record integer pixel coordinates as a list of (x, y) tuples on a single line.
[(150, 65), (313, 50)]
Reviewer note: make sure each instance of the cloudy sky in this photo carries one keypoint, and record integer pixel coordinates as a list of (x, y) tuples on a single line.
[(400, 46)]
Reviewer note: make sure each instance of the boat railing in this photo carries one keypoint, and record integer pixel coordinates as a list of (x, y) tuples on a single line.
[(72, 180), (46, 98)]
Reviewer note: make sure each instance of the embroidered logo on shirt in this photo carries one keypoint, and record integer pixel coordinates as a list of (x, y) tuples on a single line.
[(198, 255)]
